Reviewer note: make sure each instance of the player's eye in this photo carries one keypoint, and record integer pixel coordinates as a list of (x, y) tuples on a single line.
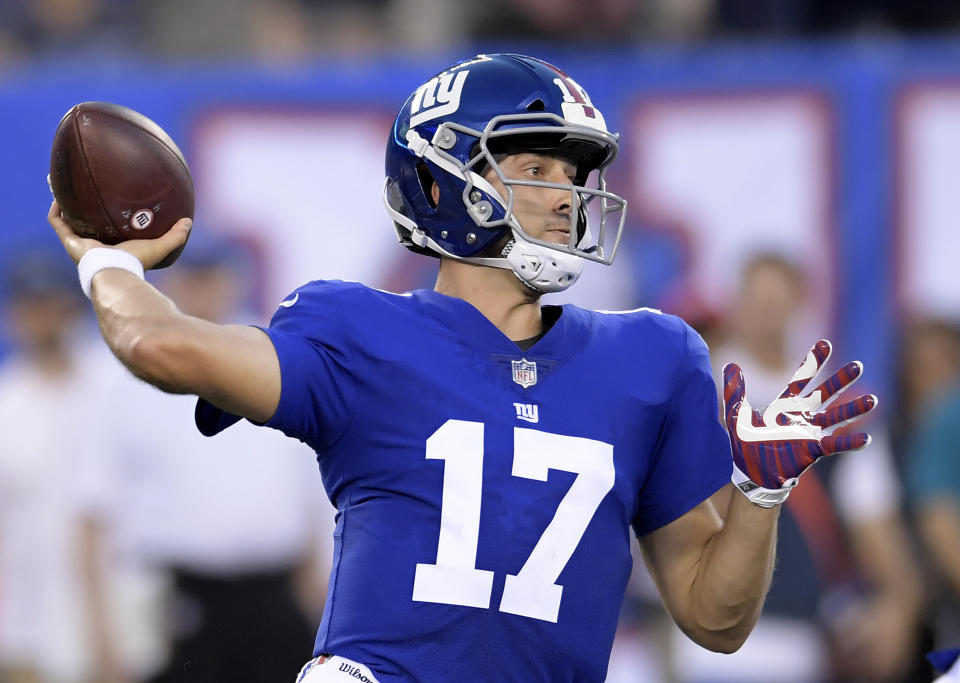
[(534, 170)]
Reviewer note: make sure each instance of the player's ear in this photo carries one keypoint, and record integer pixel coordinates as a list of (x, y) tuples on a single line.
[(428, 185)]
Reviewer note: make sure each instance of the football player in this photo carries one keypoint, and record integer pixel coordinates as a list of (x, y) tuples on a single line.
[(488, 455)]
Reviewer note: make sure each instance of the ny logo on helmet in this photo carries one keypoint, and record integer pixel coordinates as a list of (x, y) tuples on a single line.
[(437, 97)]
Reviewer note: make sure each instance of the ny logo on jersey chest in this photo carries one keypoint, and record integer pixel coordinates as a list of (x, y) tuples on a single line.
[(529, 412), (524, 372)]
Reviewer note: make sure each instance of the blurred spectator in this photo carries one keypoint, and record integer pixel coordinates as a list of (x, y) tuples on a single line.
[(32, 27), (931, 377), (891, 15), (845, 598), (47, 402), (237, 523), (289, 30), (356, 27), (428, 25), (621, 21), (676, 20), (817, 17), (273, 30), (770, 18), (556, 20)]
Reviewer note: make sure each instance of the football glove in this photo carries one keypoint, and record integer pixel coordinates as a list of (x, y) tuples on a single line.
[(772, 448)]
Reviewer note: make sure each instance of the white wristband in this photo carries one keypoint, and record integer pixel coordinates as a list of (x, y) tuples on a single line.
[(99, 258), (758, 495)]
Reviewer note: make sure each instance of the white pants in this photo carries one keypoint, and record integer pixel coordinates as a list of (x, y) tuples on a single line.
[(334, 669)]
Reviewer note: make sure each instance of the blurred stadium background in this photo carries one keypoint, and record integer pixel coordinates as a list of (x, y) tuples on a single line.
[(827, 132)]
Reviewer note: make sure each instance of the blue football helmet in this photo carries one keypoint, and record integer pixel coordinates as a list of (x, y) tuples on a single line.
[(457, 126)]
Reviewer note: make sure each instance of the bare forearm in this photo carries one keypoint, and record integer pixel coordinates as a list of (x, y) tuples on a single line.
[(733, 577), (235, 367), (940, 526), (713, 567), (141, 326), (127, 308), (883, 552)]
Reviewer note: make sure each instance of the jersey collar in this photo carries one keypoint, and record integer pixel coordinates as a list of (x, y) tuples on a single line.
[(560, 341)]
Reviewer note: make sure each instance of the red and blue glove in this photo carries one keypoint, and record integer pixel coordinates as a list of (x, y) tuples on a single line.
[(771, 449)]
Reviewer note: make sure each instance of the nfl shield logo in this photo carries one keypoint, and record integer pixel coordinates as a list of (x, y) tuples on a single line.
[(524, 372)]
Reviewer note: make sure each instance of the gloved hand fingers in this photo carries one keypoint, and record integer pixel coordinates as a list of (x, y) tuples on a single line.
[(737, 411), (839, 443), (734, 392), (838, 382), (845, 412), (815, 359)]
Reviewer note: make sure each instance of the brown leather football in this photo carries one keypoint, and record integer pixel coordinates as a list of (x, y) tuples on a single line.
[(118, 176)]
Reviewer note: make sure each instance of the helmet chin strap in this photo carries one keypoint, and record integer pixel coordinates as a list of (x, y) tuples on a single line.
[(541, 268)]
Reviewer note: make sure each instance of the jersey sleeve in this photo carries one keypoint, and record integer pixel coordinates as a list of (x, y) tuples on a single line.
[(692, 459), (316, 373)]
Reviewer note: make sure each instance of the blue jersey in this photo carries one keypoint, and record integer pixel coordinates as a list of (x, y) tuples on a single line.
[(485, 493)]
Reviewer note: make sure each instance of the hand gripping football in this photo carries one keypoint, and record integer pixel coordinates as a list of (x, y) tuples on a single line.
[(117, 176)]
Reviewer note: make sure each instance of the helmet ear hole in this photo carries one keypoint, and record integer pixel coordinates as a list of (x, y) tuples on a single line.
[(427, 183)]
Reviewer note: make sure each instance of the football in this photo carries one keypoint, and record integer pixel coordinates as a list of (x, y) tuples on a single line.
[(117, 175)]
